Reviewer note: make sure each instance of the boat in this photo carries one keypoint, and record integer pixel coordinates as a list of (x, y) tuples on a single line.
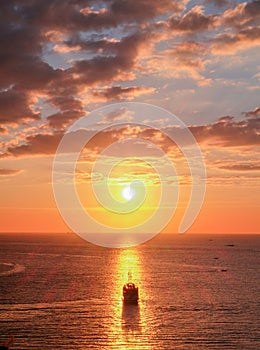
[(130, 293)]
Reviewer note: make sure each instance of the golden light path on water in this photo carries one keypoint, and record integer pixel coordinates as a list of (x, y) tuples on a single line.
[(130, 321)]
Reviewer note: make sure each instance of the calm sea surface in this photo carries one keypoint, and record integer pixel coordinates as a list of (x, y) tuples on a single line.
[(196, 292)]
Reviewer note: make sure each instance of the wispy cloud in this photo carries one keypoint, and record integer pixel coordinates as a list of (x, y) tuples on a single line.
[(9, 172)]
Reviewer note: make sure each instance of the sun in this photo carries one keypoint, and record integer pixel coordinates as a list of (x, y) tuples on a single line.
[(128, 192)]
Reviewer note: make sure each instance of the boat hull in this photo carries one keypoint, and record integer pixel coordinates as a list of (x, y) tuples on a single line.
[(130, 294)]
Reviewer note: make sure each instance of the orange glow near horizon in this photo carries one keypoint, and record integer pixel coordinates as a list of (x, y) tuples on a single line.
[(229, 217), (30, 207)]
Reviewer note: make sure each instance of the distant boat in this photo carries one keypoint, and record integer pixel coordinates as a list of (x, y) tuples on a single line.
[(130, 293)]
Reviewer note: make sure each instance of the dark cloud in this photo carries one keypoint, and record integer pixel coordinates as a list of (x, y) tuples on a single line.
[(144, 9), (43, 144), (61, 119), (244, 14), (66, 102), (101, 69), (226, 119), (20, 56), (79, 15), (229, 43), (15, 107), (253, 8), (71, 108), (118, 93), (253, 114), (228, 132)]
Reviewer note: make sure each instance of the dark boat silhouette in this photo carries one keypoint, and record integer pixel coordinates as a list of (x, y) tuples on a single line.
[(130, 293)]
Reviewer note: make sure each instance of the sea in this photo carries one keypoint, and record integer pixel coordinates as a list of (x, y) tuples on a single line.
[(196, 292)]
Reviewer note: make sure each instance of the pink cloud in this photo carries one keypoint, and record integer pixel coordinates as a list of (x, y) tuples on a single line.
[(228, 43)]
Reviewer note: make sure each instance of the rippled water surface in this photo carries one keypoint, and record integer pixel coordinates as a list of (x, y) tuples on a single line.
[(196, 292)]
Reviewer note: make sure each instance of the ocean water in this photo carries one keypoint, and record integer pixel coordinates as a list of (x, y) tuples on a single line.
[(196, 292)]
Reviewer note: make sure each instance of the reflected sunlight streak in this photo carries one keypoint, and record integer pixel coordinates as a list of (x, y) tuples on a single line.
[(129, 320)]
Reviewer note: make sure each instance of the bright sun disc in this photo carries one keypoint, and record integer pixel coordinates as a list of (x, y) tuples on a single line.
[(128, 193)]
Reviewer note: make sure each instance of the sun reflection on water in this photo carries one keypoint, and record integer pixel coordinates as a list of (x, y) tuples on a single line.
[(130, 321)]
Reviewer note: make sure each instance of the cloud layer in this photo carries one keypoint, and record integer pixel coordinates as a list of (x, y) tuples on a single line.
[(60, 59)]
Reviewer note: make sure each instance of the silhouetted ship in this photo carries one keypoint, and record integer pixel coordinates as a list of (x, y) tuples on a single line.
[(130, 293)]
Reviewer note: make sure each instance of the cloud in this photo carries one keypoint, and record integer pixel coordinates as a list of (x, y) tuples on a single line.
[(79, 15), (61, 119), (43, 144), (9, 172), (3, 130), (144, 9), (241, 167), (20, 61), (121, 114), (22, 66), (119, 93), (228, 43), (194, 21), (186, 59), (243, 14), (15, 107), (61, 51), (71, 108), (228, 132), (104, 69), (66, 102), (225, 132), (253, 114)]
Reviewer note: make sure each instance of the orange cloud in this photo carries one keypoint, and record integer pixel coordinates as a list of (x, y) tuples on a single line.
[(3, 130), (194, 21), (183, 60), (243, 14), (242, 166), (9, 172)]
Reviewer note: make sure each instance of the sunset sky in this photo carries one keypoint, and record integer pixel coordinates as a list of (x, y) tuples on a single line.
[(61, 60)]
